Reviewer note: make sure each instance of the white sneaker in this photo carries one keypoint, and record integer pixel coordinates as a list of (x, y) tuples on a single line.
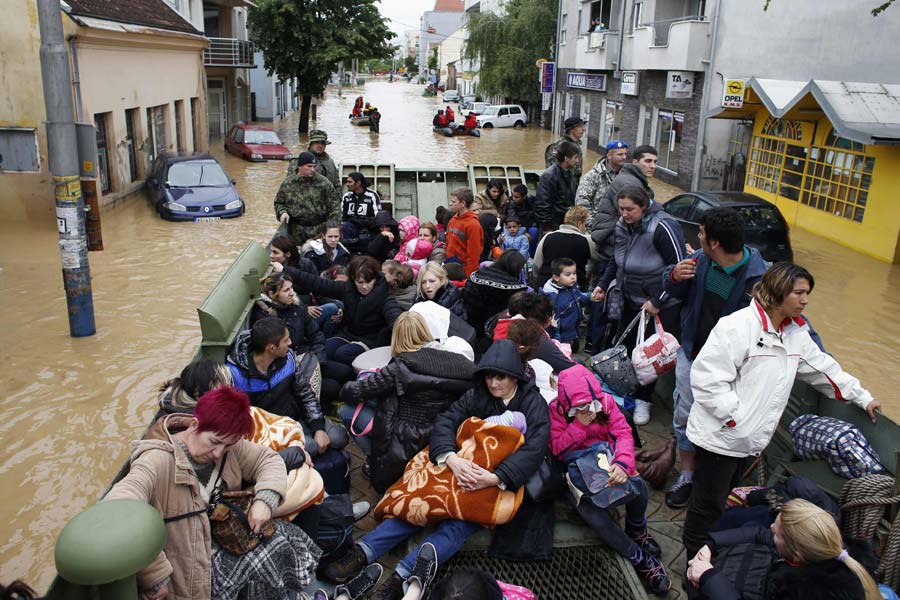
[(360, 509), (641, 412)]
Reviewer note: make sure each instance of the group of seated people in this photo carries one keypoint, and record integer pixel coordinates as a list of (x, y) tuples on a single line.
[(447, 118), (459, 388)]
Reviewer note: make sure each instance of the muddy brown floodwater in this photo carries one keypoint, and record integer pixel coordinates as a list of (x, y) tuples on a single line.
[(70, 406)]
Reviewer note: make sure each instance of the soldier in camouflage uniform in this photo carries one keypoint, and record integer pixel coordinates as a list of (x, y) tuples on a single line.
[(318, 139), (592, 193), (574, 131), (306, 201)]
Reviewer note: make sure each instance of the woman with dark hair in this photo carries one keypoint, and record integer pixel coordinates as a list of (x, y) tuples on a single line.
[(489, 288), (285, 257), (491, 199), (279, 300), (327, 251), (648, 241), (369, 314), (180, 394)]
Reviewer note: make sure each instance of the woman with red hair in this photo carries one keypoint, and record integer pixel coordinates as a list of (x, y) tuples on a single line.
[(180, 468)]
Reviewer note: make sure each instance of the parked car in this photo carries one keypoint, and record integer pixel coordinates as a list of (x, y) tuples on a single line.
[(254, 142), (478, 108), (451, 96), (192, 188), (502, 115), (467, 101), (764, 227)]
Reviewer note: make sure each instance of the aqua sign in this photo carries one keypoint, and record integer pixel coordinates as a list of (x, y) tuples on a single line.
[(586, 81)]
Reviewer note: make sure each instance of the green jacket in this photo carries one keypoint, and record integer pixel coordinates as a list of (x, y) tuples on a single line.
[(550, 154), (310, 202), (327, 168)]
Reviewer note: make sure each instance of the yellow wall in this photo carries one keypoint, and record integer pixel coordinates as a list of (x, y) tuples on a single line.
[(879, 231)]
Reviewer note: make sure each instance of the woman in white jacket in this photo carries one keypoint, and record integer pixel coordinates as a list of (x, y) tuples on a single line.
[(741, 381)]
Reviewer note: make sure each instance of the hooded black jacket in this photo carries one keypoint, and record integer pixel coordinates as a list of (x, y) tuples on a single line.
[(478, 402), (411, 391), (487, 292), (305, 334), (380, 247), (367, 319)]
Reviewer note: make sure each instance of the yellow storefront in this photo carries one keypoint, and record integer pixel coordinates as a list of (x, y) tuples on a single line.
[(826, 154)]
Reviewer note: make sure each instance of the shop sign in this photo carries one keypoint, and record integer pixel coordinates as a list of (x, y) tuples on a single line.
[(545, 100), (586, 81), (630, 83), (679, 84), (548, 74), (733, 93)]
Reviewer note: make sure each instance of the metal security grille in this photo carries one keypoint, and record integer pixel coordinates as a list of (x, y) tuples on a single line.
[(574, 572)]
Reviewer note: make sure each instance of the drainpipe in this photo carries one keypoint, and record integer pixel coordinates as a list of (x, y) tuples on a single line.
[(618, 72), (76, 79), (704, 102), (554, 127)]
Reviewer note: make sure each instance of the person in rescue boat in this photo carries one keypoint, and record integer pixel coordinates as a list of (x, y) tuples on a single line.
[(741, 381)]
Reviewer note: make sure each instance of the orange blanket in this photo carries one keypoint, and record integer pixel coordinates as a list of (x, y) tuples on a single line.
[(428, 494)]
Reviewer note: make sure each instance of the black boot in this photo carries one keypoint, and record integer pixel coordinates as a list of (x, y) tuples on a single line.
[(347, 566)]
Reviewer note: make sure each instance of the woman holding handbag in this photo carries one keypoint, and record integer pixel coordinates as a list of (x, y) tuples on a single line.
[(586, 425), (648, 240)]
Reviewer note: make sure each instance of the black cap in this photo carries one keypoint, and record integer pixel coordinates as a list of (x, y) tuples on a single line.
[(306, 158), (572, 122)]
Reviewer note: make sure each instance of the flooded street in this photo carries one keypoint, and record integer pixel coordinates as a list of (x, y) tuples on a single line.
[(70, 406)]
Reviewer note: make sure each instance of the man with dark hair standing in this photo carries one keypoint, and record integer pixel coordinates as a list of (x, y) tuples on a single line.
[(574, 129), (358, 207), (465, 236), (556, 188), (636, 173), (713, 282)]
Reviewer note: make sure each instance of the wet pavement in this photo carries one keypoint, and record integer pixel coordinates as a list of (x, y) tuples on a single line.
[(70, 406)]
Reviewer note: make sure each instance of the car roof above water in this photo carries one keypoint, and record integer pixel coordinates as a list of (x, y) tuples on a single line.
[(171, 158), (732, 198)]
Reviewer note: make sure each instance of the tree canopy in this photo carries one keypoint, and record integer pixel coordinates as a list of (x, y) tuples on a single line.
[(508, 45)]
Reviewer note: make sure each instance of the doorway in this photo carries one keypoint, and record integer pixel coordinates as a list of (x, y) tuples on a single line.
[(215, 107)]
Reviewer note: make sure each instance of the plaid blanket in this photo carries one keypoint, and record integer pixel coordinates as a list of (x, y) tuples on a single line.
[(284, 564)]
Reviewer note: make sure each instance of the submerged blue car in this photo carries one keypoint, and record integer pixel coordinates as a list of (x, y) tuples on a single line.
[(192, 188)]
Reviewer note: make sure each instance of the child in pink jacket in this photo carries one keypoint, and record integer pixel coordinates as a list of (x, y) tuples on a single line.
[(584, 415)]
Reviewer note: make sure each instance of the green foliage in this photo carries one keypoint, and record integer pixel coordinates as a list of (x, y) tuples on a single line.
[(307, 38), (433, 59), (508, 46), (410, 63)]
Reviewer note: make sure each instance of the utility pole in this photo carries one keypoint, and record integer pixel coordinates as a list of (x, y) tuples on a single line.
[(62, 152)]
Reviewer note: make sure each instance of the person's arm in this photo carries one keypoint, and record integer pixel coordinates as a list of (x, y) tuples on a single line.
[(305, 397), (679, 289), (543, 202), (539, 254), (320, 285), (314, 335), (620, 432), (443, 434), (334, 203), (474, 246), (592, 248), (714, 373), (281, 200), (609, 273), (374, 386), (515, 470), (603, 220), (390, 310), (564, 436), (669, 242), (584, 195)]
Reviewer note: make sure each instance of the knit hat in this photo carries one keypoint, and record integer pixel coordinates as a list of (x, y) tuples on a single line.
[(318, 135), (306, 158)]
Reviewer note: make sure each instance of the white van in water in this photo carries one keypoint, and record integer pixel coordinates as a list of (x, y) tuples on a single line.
[(502, 115)]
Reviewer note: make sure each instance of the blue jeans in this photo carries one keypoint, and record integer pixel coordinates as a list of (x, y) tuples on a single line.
[(340, 354), (682, 401), (338, 436), (366, 414), (603, 525), (448, 538), (326, 325)]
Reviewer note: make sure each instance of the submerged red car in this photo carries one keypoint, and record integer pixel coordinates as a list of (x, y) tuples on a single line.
[(255, 142)]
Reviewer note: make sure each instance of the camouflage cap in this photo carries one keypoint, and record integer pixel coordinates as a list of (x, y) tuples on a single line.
[(318, 135)]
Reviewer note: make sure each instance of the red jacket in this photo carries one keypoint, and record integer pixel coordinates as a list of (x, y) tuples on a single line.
[(465, 240), (450, 114), (471, 122)]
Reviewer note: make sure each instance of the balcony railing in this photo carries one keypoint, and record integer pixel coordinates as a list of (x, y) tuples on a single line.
[(229, 52), (661, 28)]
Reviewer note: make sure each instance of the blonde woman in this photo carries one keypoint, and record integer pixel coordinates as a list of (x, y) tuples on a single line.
[(807, 560), (433, 284), (391, 412)]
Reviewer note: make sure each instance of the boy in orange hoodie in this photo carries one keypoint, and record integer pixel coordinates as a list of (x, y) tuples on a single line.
[(465, 237)]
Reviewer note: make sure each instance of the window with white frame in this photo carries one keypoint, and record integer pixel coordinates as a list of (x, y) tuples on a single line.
[(562, 30), (636, 13), (668, 139), (585, 108), (612, 124)]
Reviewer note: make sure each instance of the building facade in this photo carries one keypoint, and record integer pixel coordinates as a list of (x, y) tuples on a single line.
[(270, 97), (436, 26)]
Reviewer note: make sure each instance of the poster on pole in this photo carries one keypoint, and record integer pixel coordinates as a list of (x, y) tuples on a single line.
[(545, 100), (548, 77)]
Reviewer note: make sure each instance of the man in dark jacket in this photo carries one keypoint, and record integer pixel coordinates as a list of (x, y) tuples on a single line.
[(556, 188), (263, 365), (642, 167), (712, 283), (359, 207)]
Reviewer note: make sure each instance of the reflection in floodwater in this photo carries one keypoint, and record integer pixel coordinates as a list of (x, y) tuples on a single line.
[(70, 405)]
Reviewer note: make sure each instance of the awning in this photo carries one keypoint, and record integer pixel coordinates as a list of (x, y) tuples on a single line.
[(868, 113)]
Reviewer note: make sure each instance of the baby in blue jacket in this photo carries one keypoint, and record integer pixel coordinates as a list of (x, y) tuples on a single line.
[(514, 237)]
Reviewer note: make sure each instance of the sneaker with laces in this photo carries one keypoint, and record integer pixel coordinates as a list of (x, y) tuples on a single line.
[(646, 542), (347, 566), (362, 583), (392, 589), (320, 595), (425, 568), (679, 494), (654, 574), (641, 412)]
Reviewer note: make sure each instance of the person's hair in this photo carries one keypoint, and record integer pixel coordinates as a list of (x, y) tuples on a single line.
[(224, 411), (558, 264), (358, 178), (284, 243), (811, 535), (17, 590), (468, 584), (410, 333), (521, 189), (526, 334), (778, 282), (464, 195), (567, 149), (513, 219), (365, 267), (531, 305), (725, 226), (432, 229), (494, 183), (442, 215), (455, 271), (510, 262), (434, 268), (333, 271), (266, 331), (403, 275), (332, 225), (636, 194), (576, 215), (196, 379), (640, 151), (271, 284)]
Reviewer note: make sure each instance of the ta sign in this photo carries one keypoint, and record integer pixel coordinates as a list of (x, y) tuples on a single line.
[(733, 93)]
